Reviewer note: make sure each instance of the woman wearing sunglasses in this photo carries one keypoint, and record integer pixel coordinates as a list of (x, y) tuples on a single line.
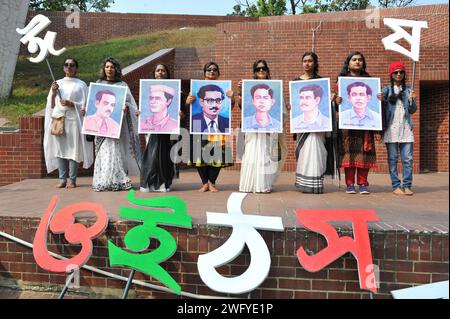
[(209, 170), (67, 99), (399, 103), (259, 168)]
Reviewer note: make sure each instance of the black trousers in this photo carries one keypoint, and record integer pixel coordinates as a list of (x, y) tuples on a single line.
[(208, 173)]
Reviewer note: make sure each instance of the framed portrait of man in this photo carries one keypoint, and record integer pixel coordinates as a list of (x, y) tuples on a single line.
[(211, 110), (262, 106), (104, 112), (310, 106), (159, 104), (360, 108)]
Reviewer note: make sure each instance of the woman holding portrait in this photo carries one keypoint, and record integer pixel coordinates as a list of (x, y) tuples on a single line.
[(209, 169), (259, 167), (158, 166), (116, 159)]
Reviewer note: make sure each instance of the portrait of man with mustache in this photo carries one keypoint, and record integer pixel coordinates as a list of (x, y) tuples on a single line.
[(101, 122), (211, 99)]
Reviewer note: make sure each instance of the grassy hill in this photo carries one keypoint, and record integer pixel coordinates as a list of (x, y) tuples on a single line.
[(32, 81)]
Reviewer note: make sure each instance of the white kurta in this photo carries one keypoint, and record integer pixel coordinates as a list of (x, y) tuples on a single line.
[(399, 130), (72, 144)]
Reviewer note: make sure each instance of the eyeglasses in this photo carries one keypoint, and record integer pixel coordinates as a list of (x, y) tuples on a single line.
[(69, 65), (261, 69), (398, 72), (213, 101), (212, 70)]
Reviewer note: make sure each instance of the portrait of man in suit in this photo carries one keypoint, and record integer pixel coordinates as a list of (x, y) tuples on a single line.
[(211, 98), (101, 122)]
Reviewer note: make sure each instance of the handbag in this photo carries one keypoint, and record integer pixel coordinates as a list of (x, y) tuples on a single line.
[(57, 125)]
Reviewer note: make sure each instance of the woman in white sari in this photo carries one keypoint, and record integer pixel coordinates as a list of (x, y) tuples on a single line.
[(316, 151), (259, 167), (66, 151), (116, 159)]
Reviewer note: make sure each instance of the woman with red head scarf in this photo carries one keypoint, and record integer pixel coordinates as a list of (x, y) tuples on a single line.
[(400, 103)]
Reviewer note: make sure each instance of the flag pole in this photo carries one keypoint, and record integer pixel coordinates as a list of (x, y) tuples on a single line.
[(413, 74), (53, 76)]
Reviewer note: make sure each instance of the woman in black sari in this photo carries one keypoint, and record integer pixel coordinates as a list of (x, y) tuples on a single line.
[(158, 168)]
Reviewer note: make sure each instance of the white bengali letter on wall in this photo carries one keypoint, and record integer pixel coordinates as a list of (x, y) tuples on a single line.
[(244, 233)]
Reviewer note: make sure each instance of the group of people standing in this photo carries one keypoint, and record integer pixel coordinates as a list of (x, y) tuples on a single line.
[(318, 154)]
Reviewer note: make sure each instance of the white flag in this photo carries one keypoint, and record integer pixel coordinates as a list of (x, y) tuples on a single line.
[(46, 45), (413, 39)]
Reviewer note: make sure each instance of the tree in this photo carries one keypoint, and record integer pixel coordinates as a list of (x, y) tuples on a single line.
[(262, 7), (395, 3), (303, 6), (342, 5), (237, 11), (271, 7), (62, 5)]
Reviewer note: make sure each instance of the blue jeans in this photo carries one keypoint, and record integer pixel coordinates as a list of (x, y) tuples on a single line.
[(67, 169), (406, 154)]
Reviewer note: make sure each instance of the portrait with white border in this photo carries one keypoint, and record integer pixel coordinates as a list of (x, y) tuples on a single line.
[(159, 104), (104, 111), (262, 102), (310, 106), (211, 110), (360, 108)]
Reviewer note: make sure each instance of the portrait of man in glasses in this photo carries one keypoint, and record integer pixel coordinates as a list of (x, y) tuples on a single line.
[(209, 121), (261, 113)]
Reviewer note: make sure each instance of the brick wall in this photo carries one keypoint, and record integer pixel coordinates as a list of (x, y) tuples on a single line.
[(143, 69), (405, 259), (113, 25), (282, 41), (21, 152), (434, 126)]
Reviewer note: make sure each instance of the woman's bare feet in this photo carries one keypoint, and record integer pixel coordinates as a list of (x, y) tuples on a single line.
[(204, 188), (61, 184), (71, 185), (213, 188)]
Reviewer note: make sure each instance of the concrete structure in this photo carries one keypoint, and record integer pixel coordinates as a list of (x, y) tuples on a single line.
[(409, 244), (12, 16)]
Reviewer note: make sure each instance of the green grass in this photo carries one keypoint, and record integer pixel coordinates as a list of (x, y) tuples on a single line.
[(32, 81)]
